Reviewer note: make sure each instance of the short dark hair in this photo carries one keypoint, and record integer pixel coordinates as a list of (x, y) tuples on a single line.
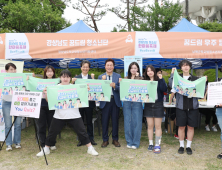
[(66, 73), (158, 69), (110, 59), (85, 62), (7, 66), (78, 99), (185, 62)]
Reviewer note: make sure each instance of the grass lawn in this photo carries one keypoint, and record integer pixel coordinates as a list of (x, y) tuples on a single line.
[(206, 147)]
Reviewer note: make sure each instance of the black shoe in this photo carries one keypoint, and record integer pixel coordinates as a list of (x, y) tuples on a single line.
[(189, 151), (93, 142), (79, 144), (181, 150), (219, 156)]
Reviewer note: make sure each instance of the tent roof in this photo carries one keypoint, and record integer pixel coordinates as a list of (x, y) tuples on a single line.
[(186, 26), (79, 27)]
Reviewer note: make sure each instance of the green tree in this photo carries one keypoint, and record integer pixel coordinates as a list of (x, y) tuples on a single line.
[(211, 26), (32, 16), (155, 17)]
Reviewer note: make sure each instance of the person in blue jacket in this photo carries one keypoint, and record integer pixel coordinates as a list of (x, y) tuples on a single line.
[(111, 108)]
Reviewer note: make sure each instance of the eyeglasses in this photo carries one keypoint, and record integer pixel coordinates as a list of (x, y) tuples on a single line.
[(85, 67)]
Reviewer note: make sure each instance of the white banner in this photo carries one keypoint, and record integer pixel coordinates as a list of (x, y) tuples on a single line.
[(26, 104), (147, 45), (214, 95)]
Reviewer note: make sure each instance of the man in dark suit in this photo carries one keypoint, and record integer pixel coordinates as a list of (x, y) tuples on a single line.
[(111, 108), (88, 111)]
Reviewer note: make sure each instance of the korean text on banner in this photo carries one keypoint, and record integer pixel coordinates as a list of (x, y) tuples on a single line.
[(138, 90), (26, 104), (100, 90), (189, 88), (129, 59), (214, 95), (38, 85), (10, 82), (69, 45), (67, 96)]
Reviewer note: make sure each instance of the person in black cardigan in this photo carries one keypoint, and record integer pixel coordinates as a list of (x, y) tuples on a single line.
[(88, 111)]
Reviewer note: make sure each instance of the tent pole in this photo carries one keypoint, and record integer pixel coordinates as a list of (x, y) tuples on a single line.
[(216, 70)]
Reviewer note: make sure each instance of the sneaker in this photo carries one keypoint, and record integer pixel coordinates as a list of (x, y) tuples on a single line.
[(133, 147), (128, 146), (207, 128), (92, 151), (189, 151), (47, 152), (53, 148), (150, 148), (177, 137), (18, 146), (219, 156), (181, 150), (9, 148), (214, 128)]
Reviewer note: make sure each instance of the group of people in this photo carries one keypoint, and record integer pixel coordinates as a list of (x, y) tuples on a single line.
[(186, 111)]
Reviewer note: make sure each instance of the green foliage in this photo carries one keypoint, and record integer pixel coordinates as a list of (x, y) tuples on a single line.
[(211, 74), (211, 26), (156, 18), (32, 16)]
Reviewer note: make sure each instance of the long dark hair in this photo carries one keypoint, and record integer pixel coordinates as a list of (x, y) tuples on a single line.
[(146, 77), (45, 70), (129, 73)]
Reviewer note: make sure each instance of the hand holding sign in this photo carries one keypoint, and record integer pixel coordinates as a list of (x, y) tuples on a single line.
[(137, 74), (104, 77), (173, 69), (113, 85), (120, 79), (73, 80), (93, 76)]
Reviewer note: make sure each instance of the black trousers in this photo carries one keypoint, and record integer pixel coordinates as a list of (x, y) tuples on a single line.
[(209, 113), (110, 110), (44, 121), (88, 114), (58, 124)]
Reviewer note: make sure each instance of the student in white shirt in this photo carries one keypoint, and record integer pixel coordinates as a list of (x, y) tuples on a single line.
[(71, 116)]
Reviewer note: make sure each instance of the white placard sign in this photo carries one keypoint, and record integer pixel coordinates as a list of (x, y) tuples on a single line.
[(26, 104), (214, 96)]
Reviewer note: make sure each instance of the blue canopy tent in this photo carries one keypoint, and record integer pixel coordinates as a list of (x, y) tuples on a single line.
[(79, 27)]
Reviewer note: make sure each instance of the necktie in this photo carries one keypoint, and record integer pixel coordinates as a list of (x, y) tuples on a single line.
[(109, 77)]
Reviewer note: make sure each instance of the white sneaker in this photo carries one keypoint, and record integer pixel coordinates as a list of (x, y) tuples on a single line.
[(133, 147), (207, 128), (128, 146), (214, 128), (9, 148), (92, 151), (53, 148), (18, 146), (42, 154)]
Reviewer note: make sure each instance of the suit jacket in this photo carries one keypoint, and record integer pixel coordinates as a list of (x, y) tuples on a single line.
[(115, 79), (92, 104)]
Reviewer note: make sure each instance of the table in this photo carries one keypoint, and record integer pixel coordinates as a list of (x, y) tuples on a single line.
[(201, 106)]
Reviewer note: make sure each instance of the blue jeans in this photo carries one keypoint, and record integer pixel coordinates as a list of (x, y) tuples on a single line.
[(6, 108), (133, 114), (219, 118)]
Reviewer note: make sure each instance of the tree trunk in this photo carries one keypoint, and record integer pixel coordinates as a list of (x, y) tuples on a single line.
[(128, 13), (156, 21), (187, 10)]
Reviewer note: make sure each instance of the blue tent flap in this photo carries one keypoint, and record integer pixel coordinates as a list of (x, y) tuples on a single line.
[(186, 26), (79, 27)]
